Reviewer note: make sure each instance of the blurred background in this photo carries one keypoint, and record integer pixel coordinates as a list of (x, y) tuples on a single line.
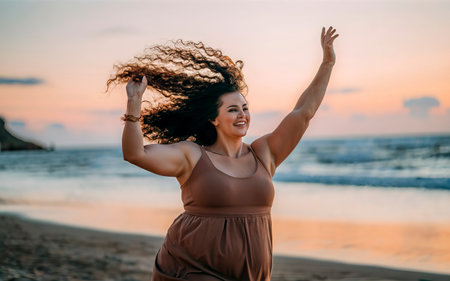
[(369, 182)]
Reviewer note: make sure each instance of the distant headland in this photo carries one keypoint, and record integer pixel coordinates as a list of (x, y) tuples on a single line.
[(10, 142)]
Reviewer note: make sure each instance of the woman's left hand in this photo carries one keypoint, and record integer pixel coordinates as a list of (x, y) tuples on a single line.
[(136, 88), (327, 45)]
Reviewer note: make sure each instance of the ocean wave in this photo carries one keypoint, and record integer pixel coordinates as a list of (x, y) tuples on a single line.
[(418, 182), (416, 161)]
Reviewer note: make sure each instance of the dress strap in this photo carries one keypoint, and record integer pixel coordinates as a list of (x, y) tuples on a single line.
[(259, 160)]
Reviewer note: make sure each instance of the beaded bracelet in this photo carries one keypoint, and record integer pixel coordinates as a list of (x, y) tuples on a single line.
[(131, 118)]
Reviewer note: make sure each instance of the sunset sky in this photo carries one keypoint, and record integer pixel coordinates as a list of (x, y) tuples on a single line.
[(392, 72)]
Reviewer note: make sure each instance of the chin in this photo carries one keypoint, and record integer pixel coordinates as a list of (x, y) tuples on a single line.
[(238, 132), (242, 134)]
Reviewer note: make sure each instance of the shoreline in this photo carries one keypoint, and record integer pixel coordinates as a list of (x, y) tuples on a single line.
[(42, 250)]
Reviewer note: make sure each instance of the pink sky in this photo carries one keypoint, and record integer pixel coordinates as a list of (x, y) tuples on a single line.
[(391, 75)]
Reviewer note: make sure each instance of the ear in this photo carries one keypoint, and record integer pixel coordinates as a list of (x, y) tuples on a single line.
[(214, 122)]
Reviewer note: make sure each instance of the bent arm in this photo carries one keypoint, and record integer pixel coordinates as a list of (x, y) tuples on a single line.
[(161, 159)]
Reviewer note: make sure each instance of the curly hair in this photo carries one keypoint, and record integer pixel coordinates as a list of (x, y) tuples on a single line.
[(190, 78)]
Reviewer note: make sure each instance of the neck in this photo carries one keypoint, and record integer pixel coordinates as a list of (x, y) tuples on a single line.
[(228, 147)]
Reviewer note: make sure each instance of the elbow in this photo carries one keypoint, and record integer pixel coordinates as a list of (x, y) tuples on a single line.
[(127, 158), (130, 158), (132, 155), (308, 116), (305, 115)]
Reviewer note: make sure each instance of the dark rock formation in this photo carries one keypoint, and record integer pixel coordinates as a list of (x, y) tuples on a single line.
[(10, 142)]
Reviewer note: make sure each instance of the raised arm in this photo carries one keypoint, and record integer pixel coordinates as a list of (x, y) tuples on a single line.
[(161, 159), (273, 148)]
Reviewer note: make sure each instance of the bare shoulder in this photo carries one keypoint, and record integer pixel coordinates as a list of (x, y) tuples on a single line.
[(192, 151), (186, 147), (262, 150)]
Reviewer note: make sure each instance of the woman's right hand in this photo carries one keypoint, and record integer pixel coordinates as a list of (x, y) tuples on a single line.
[(136, 89), (327, 40)]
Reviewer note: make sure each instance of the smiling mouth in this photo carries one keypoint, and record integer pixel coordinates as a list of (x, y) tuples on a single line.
[(240, 124)]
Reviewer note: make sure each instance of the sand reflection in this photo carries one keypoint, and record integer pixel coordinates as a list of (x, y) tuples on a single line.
[(405, 245), (420, 246)]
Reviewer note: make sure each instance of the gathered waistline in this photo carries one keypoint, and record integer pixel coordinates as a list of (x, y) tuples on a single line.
[(224, 214)]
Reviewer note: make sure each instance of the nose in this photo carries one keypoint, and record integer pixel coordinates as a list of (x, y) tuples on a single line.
[(241, 112)]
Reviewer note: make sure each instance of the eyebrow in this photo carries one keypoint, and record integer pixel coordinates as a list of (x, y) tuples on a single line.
[(233, 105)]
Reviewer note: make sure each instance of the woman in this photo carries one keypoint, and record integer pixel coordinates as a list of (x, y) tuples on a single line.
[(198, 123)]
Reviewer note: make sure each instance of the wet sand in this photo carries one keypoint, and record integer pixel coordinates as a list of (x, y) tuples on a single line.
[(406, 245), (36, 250), (416, 246)]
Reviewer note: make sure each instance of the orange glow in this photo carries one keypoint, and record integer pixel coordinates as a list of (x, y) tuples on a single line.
[(404, 245), (410, 245)]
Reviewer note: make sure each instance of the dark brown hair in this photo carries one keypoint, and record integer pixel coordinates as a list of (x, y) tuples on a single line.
[(190, 78)]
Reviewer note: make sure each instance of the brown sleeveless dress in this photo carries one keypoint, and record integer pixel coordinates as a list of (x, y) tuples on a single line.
[(225, 232)]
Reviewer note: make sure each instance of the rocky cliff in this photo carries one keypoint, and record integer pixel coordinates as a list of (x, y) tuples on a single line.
[(11, 142)]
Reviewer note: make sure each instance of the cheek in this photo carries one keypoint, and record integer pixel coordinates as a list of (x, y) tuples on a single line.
[(230, 117), (226, 118)]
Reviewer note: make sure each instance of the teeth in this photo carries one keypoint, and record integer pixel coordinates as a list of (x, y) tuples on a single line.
[(240, 123)]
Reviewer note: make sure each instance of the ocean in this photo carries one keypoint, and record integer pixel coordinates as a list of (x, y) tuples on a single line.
[(369, 184)]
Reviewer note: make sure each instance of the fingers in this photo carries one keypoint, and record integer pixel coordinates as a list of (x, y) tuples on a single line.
[(330, 31), (329, 36), (143, 84)]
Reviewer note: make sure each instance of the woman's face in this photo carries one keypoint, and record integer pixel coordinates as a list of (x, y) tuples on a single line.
[(234, 117)]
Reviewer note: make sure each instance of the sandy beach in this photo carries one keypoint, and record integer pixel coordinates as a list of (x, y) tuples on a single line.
[(37, 250)]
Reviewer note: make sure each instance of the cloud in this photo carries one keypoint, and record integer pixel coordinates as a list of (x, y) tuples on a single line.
[(55, 127), (343, 90), (17, 124), (20, 81), (420, 107)]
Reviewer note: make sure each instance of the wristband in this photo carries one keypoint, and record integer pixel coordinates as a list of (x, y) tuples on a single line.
[(131, 118)]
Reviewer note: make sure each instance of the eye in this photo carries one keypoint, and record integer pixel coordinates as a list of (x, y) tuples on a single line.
[(245, 108), (231, 110)]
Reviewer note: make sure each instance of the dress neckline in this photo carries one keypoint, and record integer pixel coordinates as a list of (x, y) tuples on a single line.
[(228, 175)]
